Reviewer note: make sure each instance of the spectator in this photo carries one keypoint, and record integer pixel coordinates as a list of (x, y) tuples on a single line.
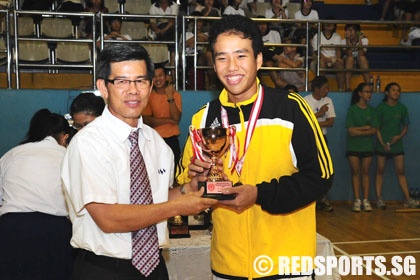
[(117, 174), (201, 53), (393, 126), (210, 10), (97, 7), (115, 25), (355, 57), (305, 13), (323, 108), (361, 123), (269, 52), (163, 111), (290, 58), (411, 34), (72, 6), (164, 28), (34, 228), (273, 213), (278, 11), (85, 108), (330, 57), (234, 8)]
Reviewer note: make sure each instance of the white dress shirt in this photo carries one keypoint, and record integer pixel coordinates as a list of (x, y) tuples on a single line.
[(96, 168), (30, 179)]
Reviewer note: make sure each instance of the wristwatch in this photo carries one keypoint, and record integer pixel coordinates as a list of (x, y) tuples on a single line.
[(171, 100)]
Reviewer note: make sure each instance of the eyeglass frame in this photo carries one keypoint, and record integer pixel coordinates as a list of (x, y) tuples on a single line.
[(136, 81)]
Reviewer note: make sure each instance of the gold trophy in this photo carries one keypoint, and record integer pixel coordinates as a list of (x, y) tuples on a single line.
[(214, 143)]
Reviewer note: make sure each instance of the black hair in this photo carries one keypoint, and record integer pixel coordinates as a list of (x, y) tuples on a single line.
[(388, 87), (237, 25), (291, 87), (318, 82), (89, 4), (355, 26), (355, 97), (121, 52), (44, 123), (87, 103)]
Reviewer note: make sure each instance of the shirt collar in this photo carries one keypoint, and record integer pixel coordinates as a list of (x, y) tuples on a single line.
[(122, 130), (224, 98)]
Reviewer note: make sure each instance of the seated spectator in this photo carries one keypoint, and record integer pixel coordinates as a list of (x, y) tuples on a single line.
[(209, 9), (97, 7), (115, 25), (85, 108), (355, 57), (330, 57), (290, 58), (72, 6), (278, 11), (411, 34), (270, 36), (164, 28), (191, 38), (234, 8), (305, 13)]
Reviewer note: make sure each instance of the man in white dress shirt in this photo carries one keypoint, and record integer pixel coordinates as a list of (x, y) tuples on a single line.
[(96, 173)]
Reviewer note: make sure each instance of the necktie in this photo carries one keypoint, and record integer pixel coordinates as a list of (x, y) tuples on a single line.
[(145, 243)]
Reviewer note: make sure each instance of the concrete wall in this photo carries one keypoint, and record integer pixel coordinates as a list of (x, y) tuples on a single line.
[(18, 106)]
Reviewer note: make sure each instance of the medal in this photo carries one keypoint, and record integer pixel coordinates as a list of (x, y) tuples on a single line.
[(237, 184)]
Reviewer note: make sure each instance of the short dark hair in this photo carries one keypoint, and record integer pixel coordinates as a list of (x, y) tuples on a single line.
[(318, 82), (238, 25), (121, 52), (355, 26), (88, 103)]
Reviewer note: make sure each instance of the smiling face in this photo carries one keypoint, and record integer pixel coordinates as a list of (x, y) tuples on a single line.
[(393, 93), (236, 66), (127, 103)]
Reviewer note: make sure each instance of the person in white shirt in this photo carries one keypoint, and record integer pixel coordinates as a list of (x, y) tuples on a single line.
[(278, 11), (355, 57), (330, 57), (323, 108), (34, 229), (164, 28), (96, 174), (305, 13), (234, 8)]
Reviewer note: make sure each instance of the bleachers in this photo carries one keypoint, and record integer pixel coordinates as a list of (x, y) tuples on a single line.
[(381, 35)]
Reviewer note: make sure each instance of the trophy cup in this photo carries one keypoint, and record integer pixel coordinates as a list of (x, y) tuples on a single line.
[(213, 142)]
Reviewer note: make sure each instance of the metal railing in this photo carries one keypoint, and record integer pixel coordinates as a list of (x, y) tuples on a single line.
[(180, 63), (7, 51), (52, 64)]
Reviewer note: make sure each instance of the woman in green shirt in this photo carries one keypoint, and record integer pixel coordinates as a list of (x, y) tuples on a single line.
[(393, 126), (361, 124)]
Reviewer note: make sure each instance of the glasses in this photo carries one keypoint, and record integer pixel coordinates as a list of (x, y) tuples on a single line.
[(125, 83)]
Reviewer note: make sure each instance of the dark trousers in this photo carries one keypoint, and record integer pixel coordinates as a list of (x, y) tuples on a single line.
[(173, 143), (89, 266), (35, 246)]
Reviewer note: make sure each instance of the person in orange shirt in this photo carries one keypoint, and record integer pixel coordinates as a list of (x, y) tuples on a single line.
[(163, 111)]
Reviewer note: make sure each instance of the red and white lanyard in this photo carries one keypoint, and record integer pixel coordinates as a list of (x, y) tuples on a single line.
[(252, 122)]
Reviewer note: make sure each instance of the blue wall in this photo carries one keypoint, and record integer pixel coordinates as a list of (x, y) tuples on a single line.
[(18, 106)]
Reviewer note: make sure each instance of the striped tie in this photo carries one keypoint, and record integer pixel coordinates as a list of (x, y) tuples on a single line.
[(145, 243)]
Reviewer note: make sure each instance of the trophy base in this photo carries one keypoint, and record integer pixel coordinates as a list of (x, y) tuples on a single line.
[(213, 189), (178, 229)]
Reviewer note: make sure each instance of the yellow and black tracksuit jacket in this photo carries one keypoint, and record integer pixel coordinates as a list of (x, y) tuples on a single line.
[(289, 162)]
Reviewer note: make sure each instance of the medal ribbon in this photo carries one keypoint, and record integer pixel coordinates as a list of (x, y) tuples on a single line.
[(252, 122), (195, 140)]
